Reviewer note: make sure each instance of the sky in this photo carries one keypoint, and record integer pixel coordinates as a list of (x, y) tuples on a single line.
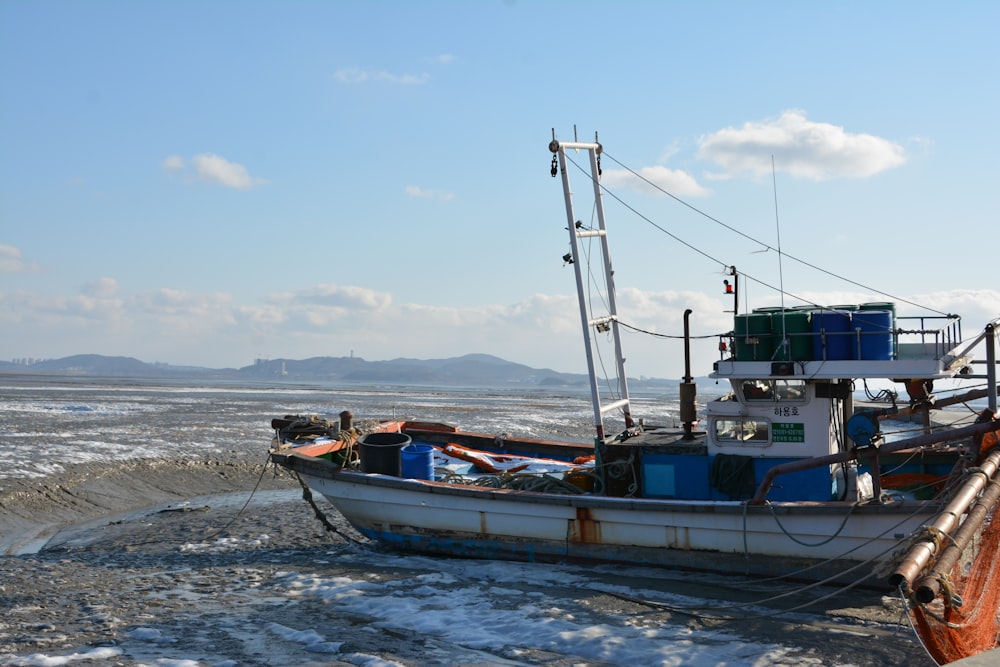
[(209, 183)]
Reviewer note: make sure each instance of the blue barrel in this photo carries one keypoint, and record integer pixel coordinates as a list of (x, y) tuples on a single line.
[(417, 461), (891, 307), (831, 335), (873, 339), (380, 452)]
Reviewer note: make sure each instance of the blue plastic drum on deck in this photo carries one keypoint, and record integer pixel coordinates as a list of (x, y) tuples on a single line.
[(891, 307), (831, 335), (874, 338), (417, 461)]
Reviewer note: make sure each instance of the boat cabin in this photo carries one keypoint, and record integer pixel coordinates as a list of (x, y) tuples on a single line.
[(795, 404)]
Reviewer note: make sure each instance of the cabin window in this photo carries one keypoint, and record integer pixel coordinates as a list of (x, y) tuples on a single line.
[(743, 430), (790, 391), (758, 390), (771, 391)]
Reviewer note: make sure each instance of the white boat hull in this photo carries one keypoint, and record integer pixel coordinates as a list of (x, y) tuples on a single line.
[(712, 535)]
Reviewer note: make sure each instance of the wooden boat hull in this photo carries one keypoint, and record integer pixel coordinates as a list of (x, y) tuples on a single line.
[(832, 539)]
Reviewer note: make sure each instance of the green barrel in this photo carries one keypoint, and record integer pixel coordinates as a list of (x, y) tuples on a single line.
[(880, 305), (795, 325), (754, 341)]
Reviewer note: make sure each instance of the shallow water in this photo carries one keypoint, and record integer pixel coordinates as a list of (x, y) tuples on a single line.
[(188, 565)]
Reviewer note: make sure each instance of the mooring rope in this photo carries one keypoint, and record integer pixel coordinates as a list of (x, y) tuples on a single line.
[(330, 528)]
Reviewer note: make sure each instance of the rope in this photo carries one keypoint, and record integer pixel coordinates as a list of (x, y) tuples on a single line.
[(659, 335), (253, 492), (225, 528), (330, 528), (695, 611), (879, 572), (840, 528), (907, 609), (539, 482), (951, 627)]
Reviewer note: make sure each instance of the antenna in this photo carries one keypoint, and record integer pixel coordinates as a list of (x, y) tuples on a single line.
[(781, 277)]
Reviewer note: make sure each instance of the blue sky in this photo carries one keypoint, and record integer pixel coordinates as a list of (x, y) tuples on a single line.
[(211, 182)]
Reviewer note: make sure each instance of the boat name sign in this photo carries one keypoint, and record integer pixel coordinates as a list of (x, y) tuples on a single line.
[(788, 432)]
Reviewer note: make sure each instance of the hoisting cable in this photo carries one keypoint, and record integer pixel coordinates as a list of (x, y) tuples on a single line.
[(659, 335), (725, 265), (764, 245)]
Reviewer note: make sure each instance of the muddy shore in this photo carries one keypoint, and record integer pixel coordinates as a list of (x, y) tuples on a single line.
[(127, 566)]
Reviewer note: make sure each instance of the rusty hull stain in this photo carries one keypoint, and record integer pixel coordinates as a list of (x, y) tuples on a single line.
[(585, 529)]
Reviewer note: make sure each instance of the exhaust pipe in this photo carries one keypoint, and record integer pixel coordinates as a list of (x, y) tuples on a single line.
[(689, 391)]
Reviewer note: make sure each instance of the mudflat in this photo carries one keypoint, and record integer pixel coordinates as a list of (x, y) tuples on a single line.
[(205, 563)]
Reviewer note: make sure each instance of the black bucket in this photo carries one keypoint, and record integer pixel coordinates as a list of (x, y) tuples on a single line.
[(380, 452)]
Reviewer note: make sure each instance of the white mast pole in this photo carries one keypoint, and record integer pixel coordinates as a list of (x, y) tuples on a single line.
[(609, 281), (594, 150), (560, 149)]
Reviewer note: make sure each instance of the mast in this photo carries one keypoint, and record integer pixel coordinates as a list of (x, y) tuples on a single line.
[(608, 322)]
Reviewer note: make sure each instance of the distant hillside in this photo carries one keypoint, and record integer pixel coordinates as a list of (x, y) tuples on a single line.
[(469, 370), (87, 364)]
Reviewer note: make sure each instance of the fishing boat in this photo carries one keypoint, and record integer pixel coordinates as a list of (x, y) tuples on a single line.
[(787, 474)]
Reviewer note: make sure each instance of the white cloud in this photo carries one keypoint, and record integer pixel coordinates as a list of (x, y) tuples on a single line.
[(351, 75), (976, 305), (322, 307), (420, 193), (213, 168), (542, 330), (216, 169), (12, 261), (173, 163), (101, 288), (653, 179), (357, 75), (344, 296), (261, 316), (800, 147)]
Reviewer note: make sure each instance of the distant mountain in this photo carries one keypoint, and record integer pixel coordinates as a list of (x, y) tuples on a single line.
[(86, 364), (468, 370), (471, 369)]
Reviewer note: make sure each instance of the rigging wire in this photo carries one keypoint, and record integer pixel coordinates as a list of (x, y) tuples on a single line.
[(781, 272), (777, 229), (763, 244), (659, 335), (725, 265)]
